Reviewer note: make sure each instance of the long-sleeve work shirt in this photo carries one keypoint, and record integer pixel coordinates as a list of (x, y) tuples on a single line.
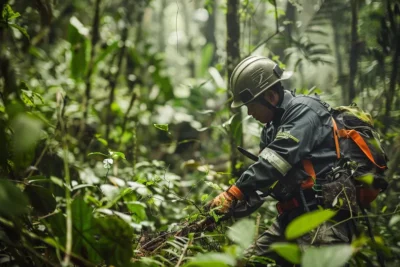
[(301, 129)]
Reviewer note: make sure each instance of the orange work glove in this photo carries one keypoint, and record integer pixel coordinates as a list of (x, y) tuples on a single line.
[(225, 200)]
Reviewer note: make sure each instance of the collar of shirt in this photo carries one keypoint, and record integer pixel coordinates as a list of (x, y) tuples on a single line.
[(287, 97)]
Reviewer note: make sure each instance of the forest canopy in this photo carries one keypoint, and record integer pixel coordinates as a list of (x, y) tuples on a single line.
[(116, 127)]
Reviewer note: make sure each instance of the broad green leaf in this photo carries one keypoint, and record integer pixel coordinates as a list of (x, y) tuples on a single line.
[(327, 256), (103, 239), (360, 241), (242, 233), (117, 155), (13, 201), (82, 215), (84, 232), (26, 97), (162, 127), (212, 259), (8, 13), (58, 181), (38, 179), (57, 224), (384, 208), (137, 209), (41, 199), (307, 222), (206, 57), (80, 47), (103, 141), (367, 179), (79, 59), (204, 197), (288, 251), (114, 242)]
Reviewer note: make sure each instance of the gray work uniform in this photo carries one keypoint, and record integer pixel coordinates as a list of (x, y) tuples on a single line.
[(301, 129)]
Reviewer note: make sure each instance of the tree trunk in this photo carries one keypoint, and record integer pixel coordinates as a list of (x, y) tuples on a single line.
[(339, 61), (88, 82), (232, 59), (353, 51), (186, 14), (290, 27), (161, 32), (393, 81), (390, 95), (209, 31), (113, 81)]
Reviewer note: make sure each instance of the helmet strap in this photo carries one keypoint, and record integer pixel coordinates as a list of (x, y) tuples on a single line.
[(281, 94), (264, 102)]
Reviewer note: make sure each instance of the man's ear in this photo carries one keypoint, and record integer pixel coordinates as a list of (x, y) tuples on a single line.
[(272, 97)]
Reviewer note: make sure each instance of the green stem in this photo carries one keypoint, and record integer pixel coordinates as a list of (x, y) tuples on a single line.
[(68, 245), (68, 242)]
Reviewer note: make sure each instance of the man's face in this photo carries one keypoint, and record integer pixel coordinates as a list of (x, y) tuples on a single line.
[(260, 112)]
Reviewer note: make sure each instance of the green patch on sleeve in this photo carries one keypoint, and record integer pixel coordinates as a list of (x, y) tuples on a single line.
[(285, 135)]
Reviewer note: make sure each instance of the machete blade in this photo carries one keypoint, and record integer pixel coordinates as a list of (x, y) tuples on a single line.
[(247, 153)]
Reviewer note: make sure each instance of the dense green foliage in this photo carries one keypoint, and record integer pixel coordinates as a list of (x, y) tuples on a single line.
[(115, 126)]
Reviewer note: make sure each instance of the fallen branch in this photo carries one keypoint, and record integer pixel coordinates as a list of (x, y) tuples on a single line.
[(207, 224)]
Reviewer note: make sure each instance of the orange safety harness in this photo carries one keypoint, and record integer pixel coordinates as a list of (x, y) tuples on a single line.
[(364, 195)]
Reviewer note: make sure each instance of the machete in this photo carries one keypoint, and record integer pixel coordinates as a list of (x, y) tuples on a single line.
[(247, 153)]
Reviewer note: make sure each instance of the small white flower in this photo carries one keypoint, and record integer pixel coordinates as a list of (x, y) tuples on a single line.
[(107, 163)]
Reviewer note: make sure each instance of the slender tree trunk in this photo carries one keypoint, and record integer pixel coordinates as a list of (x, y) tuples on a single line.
[(113, 82), (209, 30), (232, 59), (161, 33), (394, 81), (353, 51), (339, 61), (190, 52), (88, 82), (290, 27)]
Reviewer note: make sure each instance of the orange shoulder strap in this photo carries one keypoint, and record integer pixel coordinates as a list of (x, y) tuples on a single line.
[(336, 138), (357, 138)]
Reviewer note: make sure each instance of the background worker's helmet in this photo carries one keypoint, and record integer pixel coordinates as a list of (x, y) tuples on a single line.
[(253, 76)]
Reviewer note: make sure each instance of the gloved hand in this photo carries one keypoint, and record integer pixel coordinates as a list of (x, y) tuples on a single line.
[(226, 200)]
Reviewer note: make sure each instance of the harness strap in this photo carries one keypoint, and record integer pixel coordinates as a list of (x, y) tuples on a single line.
[(357, 138), (309, 168), (336, 138)]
